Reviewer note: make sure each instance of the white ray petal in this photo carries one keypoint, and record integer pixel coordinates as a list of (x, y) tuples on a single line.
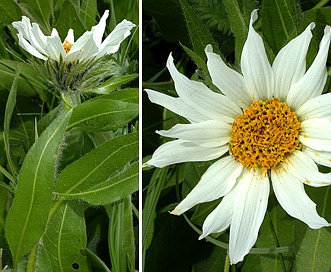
[(319, 128), (249, 210), (312, 83), (27, 46), (220, 218), (196, 95), (292, 197), (184, 151), (290, 63), (317, 107), (320, 157), (305, 169), (99, 29), (216, 182), (227, 80), (316, 144), (176, 105), (211, 133), (255, 66), (78, 46), (112, 43), (54, 46), (70, 36)]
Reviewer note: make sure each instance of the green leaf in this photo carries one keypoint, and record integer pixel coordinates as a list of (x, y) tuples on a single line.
[(120, 235), (115, 188), (64, 240), (199, 33), (279, 22), (96, 263), (130, 95), (28, 83), (28, 215), (88, 12), (113, 83), (9, 11), (102, 114), (10, 106), (239, 24), (314, 245), (101, 170), (38, 11), (69, 18)]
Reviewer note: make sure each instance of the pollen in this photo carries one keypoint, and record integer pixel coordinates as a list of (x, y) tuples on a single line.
[(265, 134), (67, 45)]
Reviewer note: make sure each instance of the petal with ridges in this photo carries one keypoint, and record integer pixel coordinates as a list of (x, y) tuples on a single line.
[(54, 46), (292, 197), (317, 107), (176, 105), (319, 128), (210, 133), (112, 43), (290, 63), (216, 182), (196, 95), (99, 29), (305, 169), (255, 66), (312, 83), (248, 213), (320, 157), (227, 80), (27, 46), (317, 144), (184, 151)]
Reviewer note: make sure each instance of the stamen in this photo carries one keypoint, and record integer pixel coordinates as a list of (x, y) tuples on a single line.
[(67, 45), (265, 134)]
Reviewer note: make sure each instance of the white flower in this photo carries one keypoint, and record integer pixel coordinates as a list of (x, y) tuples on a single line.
[(87, 47), (271, 119)]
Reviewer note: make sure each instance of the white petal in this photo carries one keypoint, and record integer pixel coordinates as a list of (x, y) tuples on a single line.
[(249, 210), (196, 95), (112, 43), (220, 218), (184, 151), (41, 39), (99, 29), (255, 66), (78, 46), (54, 46), (316, 144), (290, 63), (317, 107), (305, 169), (89, 50), (292, 197), (27, 46), (312, 83), (211, 133), (175, 105), (216, 182), (320, 157), (227, 80), (319, 128), (70, 36)]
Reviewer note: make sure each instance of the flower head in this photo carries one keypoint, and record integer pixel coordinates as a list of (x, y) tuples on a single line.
[(271, 121), (88, 46)]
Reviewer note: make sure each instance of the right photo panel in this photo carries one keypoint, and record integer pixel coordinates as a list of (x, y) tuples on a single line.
[(236, 131)]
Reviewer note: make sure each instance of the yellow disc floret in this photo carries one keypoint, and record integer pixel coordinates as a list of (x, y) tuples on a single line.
[(265, 134), (67, 46)]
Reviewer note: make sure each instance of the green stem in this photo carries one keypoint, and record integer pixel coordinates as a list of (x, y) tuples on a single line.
[(321, 4), (31, 265)]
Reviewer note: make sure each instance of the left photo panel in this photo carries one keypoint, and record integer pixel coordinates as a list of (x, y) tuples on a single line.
[(69, 144)]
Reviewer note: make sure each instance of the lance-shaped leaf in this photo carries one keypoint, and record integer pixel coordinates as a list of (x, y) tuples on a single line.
[(28, 215), (102, 115), (96, 172), (64, 240), (120, 235)]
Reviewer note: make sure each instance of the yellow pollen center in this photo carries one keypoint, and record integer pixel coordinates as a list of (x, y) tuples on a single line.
[(67, 46), (265, 134)]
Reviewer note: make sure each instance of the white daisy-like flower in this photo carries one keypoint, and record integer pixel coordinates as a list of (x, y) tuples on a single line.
[(272, 120), (86, 47)]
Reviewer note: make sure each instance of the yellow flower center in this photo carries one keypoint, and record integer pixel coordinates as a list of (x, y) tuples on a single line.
[(265, 134), (67, 46)]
